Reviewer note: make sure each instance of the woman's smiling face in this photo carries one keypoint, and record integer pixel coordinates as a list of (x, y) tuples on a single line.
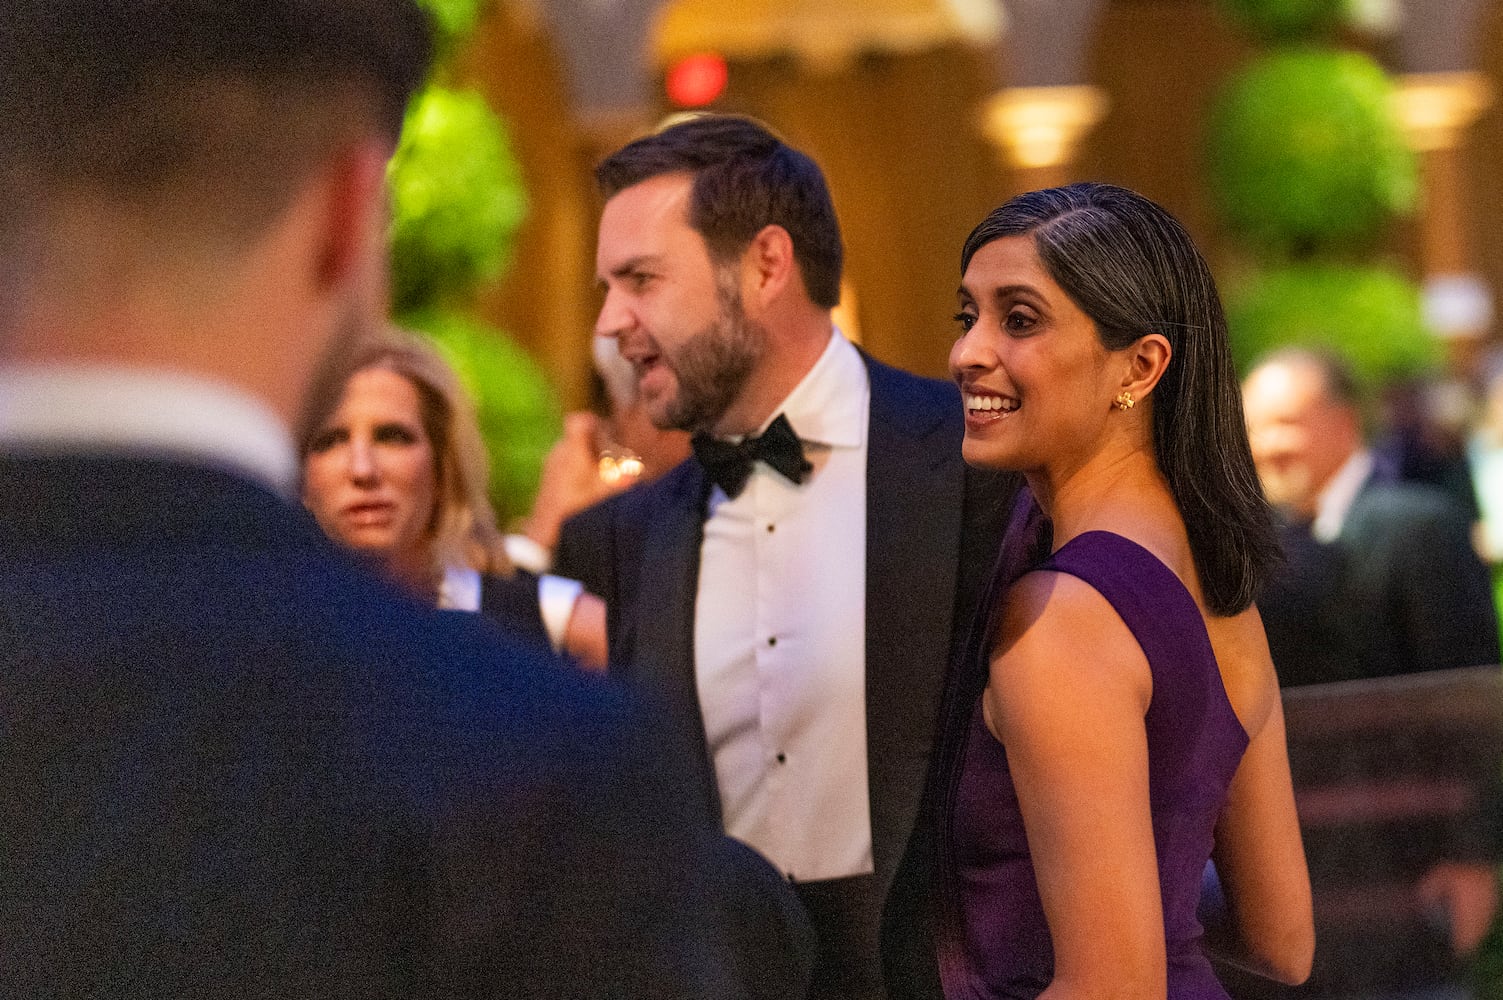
[(1035, 377)]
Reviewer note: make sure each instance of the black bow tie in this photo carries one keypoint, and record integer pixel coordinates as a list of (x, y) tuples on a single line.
[(729, 464)]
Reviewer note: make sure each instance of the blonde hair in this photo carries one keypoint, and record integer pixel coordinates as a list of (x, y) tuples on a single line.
[(463, 525)]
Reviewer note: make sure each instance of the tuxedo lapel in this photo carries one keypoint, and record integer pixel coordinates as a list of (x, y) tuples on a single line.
[(658, 638), (915, 478)]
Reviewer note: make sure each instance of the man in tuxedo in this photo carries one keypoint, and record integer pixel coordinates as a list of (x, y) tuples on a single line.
[(1382, 577), (235, 765), (794, 591)]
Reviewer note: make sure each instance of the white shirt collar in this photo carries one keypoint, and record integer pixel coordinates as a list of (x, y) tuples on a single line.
[(1336, 499), (104, 408), (823, 408), (459, 590)]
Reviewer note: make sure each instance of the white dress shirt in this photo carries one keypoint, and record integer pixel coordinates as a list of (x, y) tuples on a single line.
[(780, 637), (100, 408), (1336, 500)]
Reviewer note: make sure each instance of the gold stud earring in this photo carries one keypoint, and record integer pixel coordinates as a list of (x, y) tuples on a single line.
[(1124, 401)]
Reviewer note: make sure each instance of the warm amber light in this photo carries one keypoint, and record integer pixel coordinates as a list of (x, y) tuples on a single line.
[(1434, 108), (821, 33), (1041, 126)]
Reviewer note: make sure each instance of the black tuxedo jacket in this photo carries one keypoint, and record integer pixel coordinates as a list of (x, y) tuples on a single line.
[(1399, 590), (932, 527), (235, 765)]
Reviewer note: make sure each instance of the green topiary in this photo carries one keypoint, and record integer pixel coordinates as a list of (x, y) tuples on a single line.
[(1369, 315), (457, 198), (453, 20), (1288, 20), (1306, 154), (518, 409)]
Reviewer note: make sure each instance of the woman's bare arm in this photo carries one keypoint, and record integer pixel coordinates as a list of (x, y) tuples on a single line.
[(1068, 690), (1260, 857)]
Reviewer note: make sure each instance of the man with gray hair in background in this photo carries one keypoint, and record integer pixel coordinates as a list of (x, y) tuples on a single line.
[(235, 764)]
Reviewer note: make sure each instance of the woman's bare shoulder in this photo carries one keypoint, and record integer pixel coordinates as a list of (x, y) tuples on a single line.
[(1246, 667), (1060, 632)]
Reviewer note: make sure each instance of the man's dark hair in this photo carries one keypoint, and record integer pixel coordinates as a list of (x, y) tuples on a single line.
[(1132, 268), (223, 104), (745, 178)]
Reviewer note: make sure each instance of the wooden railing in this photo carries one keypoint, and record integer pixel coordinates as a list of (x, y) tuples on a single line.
[(1391, 776)]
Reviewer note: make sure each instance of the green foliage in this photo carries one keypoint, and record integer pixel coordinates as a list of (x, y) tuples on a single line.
[(457, 200), (1371, 316), (1288, 20), (453, 20), (1306, 154), (518, 409)]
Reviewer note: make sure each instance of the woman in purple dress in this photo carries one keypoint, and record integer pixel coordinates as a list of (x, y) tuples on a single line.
[(1120, 722)]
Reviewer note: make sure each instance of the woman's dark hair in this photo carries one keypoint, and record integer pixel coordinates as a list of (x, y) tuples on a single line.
[(1132, 268), (745, 178)]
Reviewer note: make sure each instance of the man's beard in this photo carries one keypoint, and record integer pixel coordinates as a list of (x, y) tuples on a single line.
[(712, 367)]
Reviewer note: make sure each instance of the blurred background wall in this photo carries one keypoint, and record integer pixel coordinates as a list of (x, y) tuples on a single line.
[(906, 105), (1340, 162)]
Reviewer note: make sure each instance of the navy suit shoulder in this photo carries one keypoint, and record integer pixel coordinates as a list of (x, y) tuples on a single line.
[(908, 389), (236, 763), (1399, 590), (988, 493), (584, 548), (1409, 557)]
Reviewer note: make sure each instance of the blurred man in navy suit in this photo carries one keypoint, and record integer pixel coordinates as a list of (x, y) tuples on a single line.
[(234, 765)]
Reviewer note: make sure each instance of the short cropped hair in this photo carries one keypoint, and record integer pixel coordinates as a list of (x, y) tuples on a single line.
[(745, 178), (1133, 269), (215, 108)]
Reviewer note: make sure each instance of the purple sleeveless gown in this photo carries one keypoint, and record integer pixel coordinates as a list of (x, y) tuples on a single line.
[(994, 938)]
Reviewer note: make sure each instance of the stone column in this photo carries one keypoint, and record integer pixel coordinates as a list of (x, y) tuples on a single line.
[(1037, 131)]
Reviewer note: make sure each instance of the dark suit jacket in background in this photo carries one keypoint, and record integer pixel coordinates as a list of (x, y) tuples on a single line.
[(1399, 590), (512, 603), (932, 528), (236, 766)]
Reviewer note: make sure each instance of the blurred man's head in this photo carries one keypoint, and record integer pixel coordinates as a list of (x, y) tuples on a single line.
[(1303, 422), (713, 229), (158, 154)]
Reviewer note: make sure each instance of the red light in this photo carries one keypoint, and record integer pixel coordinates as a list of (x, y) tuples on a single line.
[(696, 80)]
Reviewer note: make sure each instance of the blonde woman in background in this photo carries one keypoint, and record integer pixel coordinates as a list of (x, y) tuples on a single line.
[(394, 469)]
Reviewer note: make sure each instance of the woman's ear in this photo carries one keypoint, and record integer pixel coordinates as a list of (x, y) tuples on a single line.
[(1147, 360)]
